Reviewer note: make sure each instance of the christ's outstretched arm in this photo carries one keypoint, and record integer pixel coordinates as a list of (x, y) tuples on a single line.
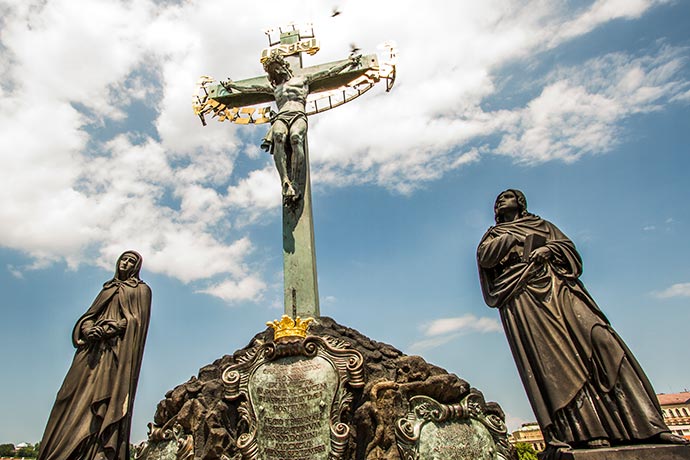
[(353, 61), (229, 85)]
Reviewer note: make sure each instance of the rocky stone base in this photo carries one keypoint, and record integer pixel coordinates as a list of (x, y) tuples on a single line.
[(202, 409)]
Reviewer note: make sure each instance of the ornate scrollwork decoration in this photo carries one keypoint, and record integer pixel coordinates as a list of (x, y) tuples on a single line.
[(246, 442), (346, 363), (340, 433), (167, 442), (424, 409), (474, 405), (185, 444), (337, 343), (140, 450), (247, 356), (408, 430)]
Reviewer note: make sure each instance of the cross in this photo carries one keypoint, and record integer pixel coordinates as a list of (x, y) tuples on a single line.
[(297, 92)]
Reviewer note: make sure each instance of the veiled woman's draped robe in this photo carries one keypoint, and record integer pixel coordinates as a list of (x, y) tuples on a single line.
[(581, 379), (92, 414)]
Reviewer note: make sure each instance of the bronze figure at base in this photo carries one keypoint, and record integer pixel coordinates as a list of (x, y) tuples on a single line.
[(586, 388)]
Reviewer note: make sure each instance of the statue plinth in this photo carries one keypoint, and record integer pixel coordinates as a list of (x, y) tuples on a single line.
[(332, 395), (638, 452)]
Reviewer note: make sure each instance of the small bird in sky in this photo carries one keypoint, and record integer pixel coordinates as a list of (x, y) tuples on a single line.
[(335, 12)]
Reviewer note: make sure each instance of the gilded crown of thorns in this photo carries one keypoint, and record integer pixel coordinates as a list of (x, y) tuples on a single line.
[(275, 58)]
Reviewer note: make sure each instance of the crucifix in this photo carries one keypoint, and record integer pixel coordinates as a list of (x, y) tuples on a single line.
[(297, 92)]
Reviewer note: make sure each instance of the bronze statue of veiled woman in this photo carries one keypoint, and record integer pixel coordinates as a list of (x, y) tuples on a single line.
[(92, 414), (585, 386)]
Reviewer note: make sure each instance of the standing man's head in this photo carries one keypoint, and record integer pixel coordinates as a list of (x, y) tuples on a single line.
[(510, 205)]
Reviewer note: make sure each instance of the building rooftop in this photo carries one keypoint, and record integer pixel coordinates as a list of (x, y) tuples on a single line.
[(674, 398), (528, 427)]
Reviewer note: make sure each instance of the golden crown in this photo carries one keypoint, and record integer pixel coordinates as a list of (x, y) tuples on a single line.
[(287, 327)]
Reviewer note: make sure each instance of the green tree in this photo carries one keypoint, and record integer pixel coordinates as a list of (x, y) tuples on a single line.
[(27, 452), (525, 451), (6, 450)]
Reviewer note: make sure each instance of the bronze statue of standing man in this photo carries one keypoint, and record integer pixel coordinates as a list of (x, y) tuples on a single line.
[(286, 139), (585, 386), (92, 414)]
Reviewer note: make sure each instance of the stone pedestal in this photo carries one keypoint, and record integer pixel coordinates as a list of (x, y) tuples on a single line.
[(641, 452), (334, 395)]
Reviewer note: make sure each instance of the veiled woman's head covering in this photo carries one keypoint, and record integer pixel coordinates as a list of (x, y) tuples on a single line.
[(521, 201), (134, 271)]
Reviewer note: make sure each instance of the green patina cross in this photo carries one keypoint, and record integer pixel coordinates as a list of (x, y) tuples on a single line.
[(297, 92)]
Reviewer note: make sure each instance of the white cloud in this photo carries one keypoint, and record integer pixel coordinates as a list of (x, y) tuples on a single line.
[(14, 271), (579, 111), (258, 191), (682, 97), (442, 89), (85, 177), (602, 11), (675, 290), (514, 422), (434, 342), (74, 51), (444, 330), (564, 122), (248, 288), (466, 323)]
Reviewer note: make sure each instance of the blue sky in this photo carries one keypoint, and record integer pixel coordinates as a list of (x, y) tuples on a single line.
[(585, 106)]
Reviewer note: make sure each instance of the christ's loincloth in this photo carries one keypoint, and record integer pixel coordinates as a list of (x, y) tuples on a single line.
[(287, 117)]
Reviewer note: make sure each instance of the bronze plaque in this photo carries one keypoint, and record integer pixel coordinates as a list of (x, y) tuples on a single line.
[(292, 399), (461, 431), (456, 440), (293, 396)]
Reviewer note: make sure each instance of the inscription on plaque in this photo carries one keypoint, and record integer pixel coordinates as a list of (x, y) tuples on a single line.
[(292, 399), (457, 440), (293, 395)]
